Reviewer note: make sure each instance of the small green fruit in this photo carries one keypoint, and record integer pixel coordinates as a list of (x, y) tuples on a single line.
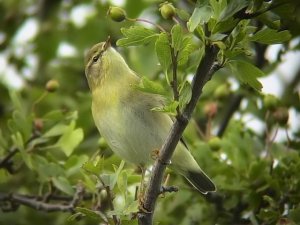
[(215, 143), (102, 143), (116, 13), (52, 85), (167, 10), (270, 102), (281, 115)]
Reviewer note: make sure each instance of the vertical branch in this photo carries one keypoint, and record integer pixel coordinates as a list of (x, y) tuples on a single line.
[(174, 83), (203, 74)]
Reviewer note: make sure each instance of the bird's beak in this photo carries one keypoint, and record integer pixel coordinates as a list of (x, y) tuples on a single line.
[(107, 43)]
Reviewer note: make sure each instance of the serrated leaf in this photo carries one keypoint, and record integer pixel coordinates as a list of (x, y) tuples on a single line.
[(201, 15), (149, 86), (232, 8), (185, 94), (247, 73), (187, 49), (136, 35), (163, 51), (269, 36), (63, 184), (177, 36)]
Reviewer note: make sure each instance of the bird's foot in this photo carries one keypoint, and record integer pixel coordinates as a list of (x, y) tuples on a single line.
[(155, 156)]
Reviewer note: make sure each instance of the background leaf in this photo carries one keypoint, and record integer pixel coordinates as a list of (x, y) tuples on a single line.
[(136, 35), (247, 73)]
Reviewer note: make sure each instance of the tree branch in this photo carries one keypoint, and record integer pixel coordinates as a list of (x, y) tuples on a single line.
[(6, 161), (203, 74), (11, 202)]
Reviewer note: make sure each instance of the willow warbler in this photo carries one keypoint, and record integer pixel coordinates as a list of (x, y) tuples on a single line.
[(124, 117)]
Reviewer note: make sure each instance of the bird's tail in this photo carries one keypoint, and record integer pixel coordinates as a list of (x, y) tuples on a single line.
[(184, 163), (200, 181)]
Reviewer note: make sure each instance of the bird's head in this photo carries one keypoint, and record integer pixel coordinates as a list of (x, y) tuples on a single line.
[(103, 61)]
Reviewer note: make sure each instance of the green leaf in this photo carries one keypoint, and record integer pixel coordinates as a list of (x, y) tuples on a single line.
[(187, 48), (177, 36), (247, 73), (163, 51), (56, 130), (89, 213), (217, 6), (185, 94), (63, 184), (136, 35), (182, 14), (116, 175), (149, 86), (201, 15), (74, 163), (14, 96), (122, 183), (295, 214), (269, 36), (225, 25), (232, 7), (169, 109), (132, 207), (18, 141), (94, 167), (20, 123), (3, 141), (46, 170), (70, 139)]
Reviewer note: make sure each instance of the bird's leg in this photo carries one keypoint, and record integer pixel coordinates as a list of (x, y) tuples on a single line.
[(140, 194)]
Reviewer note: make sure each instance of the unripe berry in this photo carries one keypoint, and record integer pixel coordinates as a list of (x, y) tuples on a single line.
[(214, 143), (102, 143), (167, 10), (52, 85), (116, 13), (270, 102)]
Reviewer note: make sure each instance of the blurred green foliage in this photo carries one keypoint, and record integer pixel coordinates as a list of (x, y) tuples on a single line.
[(52, 158)]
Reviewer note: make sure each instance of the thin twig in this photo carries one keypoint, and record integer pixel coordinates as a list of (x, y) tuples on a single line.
[(174, 82), (35, 202), (6, 161)]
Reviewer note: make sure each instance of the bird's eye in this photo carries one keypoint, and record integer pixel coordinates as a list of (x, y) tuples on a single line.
[(95, 58)]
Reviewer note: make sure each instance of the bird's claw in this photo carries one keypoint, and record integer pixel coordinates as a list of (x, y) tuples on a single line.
[(155, 156)]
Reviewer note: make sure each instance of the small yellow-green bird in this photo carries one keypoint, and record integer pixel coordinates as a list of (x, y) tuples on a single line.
[(124, 117)]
